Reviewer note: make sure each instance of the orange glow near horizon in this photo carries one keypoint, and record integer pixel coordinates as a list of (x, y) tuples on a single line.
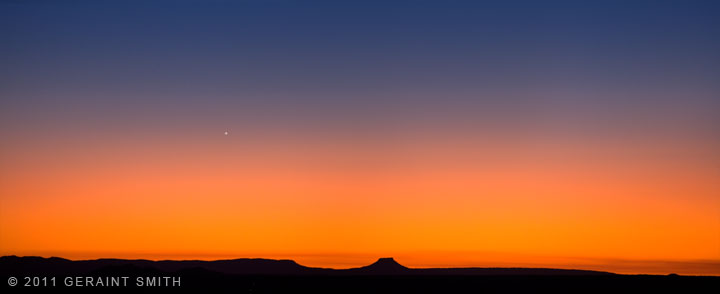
[(554, 134), (626, 206)]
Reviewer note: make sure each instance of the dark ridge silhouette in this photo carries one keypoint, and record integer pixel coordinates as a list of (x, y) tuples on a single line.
[(473, 271), (384, 276), (55, 265), (251, 266), (383, 266)]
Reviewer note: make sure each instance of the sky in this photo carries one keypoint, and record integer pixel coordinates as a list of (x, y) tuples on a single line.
[(565, 134)]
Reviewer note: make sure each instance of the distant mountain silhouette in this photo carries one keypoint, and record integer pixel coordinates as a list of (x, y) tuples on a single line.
[(55, 265), (384, 276), (383, 266), (248, 266)]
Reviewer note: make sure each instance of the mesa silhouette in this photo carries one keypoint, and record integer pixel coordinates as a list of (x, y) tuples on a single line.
[(255, 275), (252, 266)]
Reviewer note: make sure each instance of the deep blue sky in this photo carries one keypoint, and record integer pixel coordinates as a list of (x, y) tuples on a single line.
[(583, 129), (348, 63)]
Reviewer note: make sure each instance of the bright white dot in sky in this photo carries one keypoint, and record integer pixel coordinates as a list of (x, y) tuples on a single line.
[(226, 133)]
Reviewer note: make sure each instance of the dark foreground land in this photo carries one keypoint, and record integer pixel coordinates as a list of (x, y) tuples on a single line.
[(35, 274)]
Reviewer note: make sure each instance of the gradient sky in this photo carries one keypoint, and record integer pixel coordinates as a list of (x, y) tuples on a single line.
[(443, 133)]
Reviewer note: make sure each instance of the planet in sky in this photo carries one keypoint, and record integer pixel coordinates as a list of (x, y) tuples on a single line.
[(554, 134)]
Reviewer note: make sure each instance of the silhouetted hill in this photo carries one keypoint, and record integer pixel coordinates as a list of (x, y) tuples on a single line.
[(55, 265), (247, 266), (383, 266), (384, 276), (239, 266)]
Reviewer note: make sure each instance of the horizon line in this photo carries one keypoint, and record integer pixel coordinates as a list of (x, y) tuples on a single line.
[(376, 260)]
